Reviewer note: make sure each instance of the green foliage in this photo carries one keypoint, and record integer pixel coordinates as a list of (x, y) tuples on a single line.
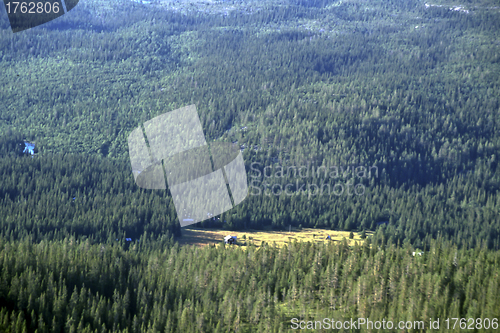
[(76, 286), (407, 88), (54, 196), (420, 104)]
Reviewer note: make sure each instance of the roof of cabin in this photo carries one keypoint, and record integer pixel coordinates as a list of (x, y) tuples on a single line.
[(29, 148)]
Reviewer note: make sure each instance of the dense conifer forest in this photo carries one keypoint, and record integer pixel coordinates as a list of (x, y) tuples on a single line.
[(399, 99)]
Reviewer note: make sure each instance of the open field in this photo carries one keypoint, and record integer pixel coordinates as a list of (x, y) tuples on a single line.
[(203, 237)]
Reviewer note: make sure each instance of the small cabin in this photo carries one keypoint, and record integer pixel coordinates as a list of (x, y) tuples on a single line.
[(230, 240), (29, 148)]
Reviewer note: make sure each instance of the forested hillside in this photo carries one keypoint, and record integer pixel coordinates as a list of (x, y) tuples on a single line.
[(74, 286), (404, 87), (406, 91)]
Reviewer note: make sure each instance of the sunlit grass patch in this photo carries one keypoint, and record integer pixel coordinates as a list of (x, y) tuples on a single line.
[(203, 237)]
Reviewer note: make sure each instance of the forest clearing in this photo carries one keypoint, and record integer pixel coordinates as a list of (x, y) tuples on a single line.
[(204, 237)]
